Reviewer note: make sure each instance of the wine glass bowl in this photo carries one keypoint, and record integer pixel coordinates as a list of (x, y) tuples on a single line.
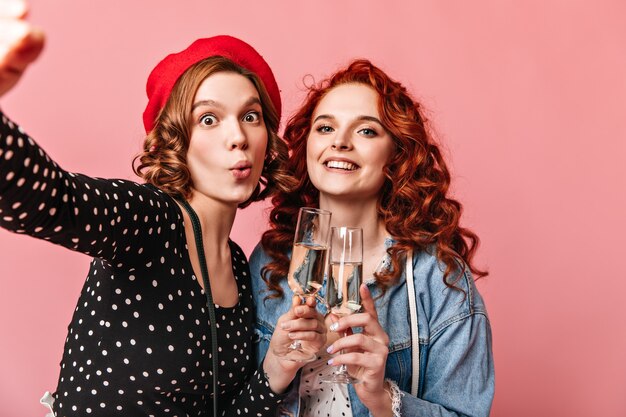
[(308, 268), (342, 295)]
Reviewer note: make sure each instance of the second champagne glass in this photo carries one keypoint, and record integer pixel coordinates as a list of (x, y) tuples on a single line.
[(308, 268), (342, 294)]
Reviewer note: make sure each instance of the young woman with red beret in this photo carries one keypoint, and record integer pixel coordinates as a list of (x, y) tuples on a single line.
[(164, 323)]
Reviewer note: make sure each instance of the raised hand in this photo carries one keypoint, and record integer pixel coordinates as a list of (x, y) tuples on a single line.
[(302, 322), (20, 43), (365, 354)]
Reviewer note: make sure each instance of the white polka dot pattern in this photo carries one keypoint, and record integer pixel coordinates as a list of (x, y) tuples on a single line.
[(138, 342), (318, 398)]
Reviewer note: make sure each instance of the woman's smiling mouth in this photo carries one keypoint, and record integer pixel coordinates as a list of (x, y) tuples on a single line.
[(343, 165)]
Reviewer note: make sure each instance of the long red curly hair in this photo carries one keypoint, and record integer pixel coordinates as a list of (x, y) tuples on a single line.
[(413, 202)]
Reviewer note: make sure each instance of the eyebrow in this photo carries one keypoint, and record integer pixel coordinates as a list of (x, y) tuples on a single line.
[(363, 117), (249, 102)]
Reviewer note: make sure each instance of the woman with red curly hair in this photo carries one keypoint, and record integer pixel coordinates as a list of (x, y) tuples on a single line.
[(361, 148)]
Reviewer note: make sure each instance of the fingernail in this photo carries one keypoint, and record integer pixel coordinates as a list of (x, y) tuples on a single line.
[(329, 349), (330, 361), (299, 310), (285, 326), (291, 335), (334, 326)]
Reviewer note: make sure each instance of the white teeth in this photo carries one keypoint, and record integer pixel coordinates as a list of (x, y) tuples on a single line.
[(341, 165)]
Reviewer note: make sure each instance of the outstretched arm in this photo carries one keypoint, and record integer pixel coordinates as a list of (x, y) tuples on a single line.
[(37, 197)]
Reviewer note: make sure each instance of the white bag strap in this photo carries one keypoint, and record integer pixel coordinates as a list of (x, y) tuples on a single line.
[(415, 335)]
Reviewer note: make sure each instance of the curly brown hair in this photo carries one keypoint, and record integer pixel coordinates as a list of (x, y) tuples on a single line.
[(413, 202), (163, 161)]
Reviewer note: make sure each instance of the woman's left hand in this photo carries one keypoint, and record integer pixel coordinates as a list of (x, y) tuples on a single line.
[(365, 354), (302, 322)]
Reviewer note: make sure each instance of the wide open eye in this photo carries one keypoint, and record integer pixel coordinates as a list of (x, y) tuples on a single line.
[(252, 117), (208, 119)]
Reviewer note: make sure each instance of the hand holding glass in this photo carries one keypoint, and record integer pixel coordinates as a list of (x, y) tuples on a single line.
[(342, 294), (308, 268)]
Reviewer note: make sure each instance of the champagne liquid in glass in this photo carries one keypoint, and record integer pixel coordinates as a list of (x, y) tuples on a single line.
[(307, 268), (342, 295), (343, 288)]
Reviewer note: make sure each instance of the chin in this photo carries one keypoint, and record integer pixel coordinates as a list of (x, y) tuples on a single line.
[(234, 198), (243, 197)]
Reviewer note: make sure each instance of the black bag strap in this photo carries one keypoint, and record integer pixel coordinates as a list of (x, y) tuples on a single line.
[(197, 233)]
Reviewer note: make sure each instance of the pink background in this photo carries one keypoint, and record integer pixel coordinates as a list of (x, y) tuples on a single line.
[(528, 97)]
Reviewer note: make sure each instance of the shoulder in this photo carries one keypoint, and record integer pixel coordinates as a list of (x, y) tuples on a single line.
[(237, 252), (258, 256), (258, 259), (444, 305), (154, 200), (123, 190), (268, 310), (157, 195)]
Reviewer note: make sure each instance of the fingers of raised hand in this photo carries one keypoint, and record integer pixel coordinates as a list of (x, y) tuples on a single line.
[(309, 330), (359, 342), (297, 310), (370, 325), (306, 311), (297, 300), (14, 31), (371, 363), (20, 44), (303, 325), (310, 301), (13, 8), (367, 302)]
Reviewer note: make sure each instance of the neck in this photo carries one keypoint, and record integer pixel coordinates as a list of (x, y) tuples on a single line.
[(216, 219), (361, 214)]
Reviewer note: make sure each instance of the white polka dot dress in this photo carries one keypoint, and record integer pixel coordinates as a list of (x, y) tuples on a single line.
[(138, 343), (318, 398)]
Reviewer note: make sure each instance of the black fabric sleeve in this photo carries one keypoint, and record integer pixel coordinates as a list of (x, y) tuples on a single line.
[(95, 216)]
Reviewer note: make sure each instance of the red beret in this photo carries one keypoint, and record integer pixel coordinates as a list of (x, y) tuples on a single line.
[(166, 73)]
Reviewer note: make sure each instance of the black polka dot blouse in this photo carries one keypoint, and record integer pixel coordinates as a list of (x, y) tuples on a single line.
[(138, 343)]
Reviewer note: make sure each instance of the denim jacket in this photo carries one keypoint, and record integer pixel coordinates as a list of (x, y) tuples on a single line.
[(456, 373)]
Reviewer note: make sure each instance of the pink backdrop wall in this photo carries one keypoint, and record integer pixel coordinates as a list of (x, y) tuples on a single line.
[(528, 97)]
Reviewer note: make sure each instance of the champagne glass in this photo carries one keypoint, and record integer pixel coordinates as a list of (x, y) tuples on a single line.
[(308, 268), (342, 295)]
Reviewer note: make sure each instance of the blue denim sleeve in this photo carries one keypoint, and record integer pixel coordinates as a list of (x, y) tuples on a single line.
[(261, 337), (459, 373)]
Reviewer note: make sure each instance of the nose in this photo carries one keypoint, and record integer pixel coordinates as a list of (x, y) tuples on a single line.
[(237, 138), (342, 141)]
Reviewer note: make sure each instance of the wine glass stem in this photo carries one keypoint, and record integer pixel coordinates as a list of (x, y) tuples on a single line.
[(343, 368)]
